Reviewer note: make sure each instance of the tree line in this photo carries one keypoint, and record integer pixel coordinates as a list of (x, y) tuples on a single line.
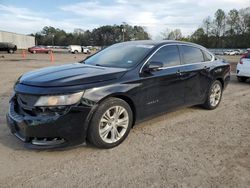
[(223, 30), (102, 36)]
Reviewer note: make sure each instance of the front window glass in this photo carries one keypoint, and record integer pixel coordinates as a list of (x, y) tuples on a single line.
[(168, 55), (121, 55)]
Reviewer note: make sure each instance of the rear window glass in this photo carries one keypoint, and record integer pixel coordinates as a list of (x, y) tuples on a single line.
[(192, 55), (207, 56)]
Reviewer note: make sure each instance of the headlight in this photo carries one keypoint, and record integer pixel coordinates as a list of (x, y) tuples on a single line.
[(59, 100)]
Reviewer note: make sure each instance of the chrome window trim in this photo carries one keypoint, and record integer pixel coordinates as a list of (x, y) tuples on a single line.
[(213, 58), (181, 65), (153, 55)]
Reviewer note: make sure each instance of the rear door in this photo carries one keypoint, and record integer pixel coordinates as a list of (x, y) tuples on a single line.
[(195, 72), (162, 90)]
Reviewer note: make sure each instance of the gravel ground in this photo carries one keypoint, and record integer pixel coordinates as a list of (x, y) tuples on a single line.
[(191, 147)]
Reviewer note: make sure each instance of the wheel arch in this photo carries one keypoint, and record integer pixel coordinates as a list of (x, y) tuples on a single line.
[(121, 96), (221, 81), (130, 103), (125, 98)]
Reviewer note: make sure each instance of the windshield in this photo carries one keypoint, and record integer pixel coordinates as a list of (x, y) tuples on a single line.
[(121, 55)]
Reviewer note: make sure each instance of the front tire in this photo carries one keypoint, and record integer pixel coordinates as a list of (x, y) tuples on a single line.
[(214, 96), (110, 124), (11, 51)]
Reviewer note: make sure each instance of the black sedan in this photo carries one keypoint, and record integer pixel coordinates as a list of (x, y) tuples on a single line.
[(99, 99)]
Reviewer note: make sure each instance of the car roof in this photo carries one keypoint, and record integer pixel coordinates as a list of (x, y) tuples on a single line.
[(162, 42)]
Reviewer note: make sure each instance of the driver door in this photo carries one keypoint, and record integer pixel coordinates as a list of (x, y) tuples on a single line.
[(162, 89)]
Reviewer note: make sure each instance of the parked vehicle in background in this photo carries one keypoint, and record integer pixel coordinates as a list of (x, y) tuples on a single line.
[(78, 49), (39, 49), (102, 97), (232, 52), (243, 68), (75, 49), (227, 52), (8, 47), (240, 52), (89, 47), (85, 50)]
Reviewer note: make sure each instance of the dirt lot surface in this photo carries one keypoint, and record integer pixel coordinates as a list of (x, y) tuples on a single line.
[(191, 147)]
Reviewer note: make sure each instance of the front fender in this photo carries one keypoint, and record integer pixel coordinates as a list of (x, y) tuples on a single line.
[(98, 94), (93, 97)]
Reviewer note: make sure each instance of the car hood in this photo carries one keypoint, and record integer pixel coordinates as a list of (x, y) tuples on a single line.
[(70, 75)]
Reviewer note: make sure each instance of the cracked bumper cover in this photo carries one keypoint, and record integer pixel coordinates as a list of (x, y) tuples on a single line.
[(61, 130)]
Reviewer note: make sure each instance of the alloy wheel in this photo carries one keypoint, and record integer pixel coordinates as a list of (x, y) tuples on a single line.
[(113, 124), (215, 95)]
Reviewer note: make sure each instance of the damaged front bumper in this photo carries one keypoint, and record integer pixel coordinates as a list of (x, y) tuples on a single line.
[(48, 131)]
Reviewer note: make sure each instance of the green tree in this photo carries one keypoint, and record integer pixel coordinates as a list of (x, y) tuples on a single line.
[(199, 37), (207, 25), (233, 20), (219, 27), (171, 34)]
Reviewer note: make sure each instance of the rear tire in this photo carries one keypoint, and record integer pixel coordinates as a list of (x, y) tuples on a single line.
[(214, 96), (75, 52), (110, 124), (34, 52), (241, 79)]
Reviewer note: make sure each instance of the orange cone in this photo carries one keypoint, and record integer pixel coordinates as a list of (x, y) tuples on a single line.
[(23, 54), (52, 59)]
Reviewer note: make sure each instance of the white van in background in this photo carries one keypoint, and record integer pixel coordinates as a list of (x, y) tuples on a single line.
[(85, 50), (78, 49)]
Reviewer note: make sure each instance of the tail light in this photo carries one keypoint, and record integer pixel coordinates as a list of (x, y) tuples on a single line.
[(244, 55)]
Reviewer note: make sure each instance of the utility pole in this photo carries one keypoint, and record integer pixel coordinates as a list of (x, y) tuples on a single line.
[(123, 33), (52, 40)]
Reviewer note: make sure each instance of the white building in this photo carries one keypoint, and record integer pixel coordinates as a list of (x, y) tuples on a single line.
[(20, 40)]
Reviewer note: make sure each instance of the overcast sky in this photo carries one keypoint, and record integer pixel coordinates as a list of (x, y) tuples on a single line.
[(155, 15)]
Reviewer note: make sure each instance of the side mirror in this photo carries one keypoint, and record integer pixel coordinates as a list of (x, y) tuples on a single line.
[(153, 66)]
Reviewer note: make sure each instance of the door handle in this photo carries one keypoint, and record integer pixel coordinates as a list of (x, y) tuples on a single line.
[(179, 73), (206, 68)]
